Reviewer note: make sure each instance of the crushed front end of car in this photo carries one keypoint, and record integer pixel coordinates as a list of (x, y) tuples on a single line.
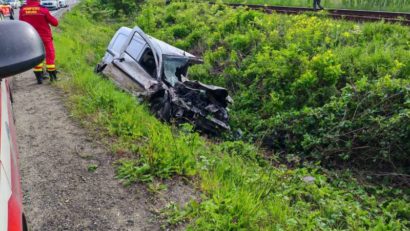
[(202, 105)]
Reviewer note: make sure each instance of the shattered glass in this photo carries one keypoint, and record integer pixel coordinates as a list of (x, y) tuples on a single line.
[(174, 67)]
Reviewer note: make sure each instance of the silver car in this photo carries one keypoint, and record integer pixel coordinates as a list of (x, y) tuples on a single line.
[(14, 3), (157, 71)]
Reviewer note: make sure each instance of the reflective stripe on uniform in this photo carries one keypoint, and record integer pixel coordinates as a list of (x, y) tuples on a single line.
[(39, 67), (51, 67)]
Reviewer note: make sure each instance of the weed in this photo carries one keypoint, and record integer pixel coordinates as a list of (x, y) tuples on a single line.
[(92, 167), (156, 187), (304, 86)]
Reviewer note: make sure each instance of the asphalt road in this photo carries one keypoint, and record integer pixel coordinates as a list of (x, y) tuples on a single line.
[(56, 13)]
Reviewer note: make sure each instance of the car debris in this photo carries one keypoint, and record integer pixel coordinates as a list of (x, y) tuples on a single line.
[(157, 72)]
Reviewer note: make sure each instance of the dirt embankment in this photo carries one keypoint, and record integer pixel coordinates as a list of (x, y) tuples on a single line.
[(68, 178)]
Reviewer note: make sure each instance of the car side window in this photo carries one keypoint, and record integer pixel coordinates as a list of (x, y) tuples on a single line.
[(135, 48), (118, 42), (147, 62)]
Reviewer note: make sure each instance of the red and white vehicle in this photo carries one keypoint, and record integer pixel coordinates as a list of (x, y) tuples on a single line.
[(20, 49), (11, 211)]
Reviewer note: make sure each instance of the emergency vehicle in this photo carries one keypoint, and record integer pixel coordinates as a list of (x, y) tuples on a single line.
[(21, 49), (6, 10)]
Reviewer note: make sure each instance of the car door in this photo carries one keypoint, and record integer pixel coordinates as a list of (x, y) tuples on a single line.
[(5, 173), (11, 217), (129, 60)]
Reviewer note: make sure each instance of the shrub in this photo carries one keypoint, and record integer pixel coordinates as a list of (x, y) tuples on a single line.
[(320, 89)]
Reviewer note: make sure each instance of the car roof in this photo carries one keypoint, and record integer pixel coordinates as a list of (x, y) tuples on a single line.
[(166, 48)]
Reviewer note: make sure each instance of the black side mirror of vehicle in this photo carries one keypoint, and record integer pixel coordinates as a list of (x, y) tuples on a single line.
[(20, 48)]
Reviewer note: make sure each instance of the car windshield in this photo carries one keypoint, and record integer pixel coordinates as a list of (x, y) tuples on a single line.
[(174, 67)]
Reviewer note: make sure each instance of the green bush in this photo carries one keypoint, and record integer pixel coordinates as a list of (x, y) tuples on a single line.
[(320, 89)]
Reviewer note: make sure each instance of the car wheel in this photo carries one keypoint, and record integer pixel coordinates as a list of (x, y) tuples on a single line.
[(25, 226), (99, 67)]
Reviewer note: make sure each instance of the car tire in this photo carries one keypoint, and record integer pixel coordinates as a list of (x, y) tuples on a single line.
[(99, 68), (25, 225)]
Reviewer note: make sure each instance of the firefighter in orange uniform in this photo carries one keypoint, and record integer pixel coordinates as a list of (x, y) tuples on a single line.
[(41, 19)]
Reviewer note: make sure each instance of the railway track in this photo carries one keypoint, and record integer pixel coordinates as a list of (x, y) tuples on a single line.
[(354, 15)]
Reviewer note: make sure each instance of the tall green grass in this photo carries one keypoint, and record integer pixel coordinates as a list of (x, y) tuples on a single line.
[(240, 189), (380, 5), (304, 86)]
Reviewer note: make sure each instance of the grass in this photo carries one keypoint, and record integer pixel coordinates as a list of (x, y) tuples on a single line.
[(379, 5), (240, 189), (92, 167), (305, 86)]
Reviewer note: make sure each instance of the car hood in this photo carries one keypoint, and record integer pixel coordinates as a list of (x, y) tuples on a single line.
[(220, 94)]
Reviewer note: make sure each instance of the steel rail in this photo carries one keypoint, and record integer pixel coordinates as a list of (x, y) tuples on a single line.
[(354, 15)]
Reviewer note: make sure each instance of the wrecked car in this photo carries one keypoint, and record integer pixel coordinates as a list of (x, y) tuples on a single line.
[(157, 72)]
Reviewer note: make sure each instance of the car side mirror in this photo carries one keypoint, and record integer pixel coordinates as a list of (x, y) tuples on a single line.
[(20, 48)]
